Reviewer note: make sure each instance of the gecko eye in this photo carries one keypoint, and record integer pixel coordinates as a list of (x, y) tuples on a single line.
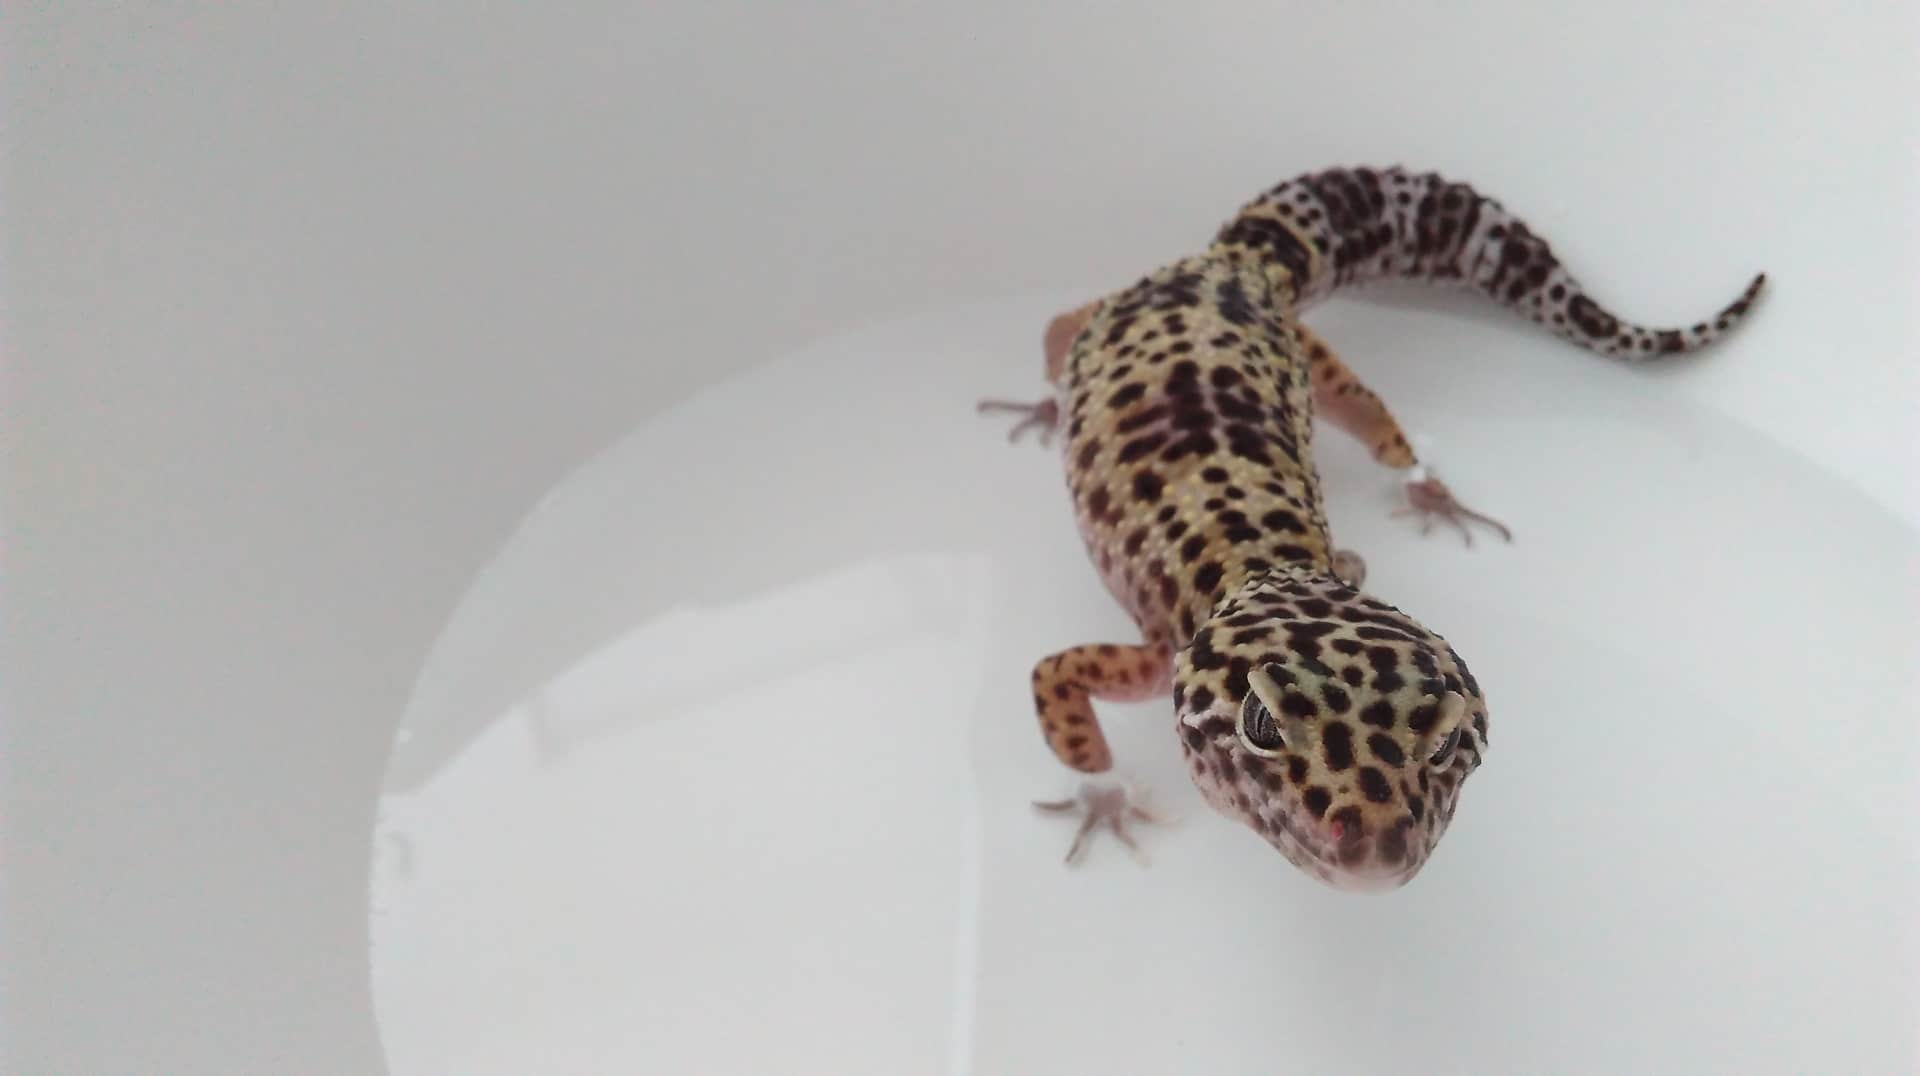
[(1258, 730), (1453, 713)]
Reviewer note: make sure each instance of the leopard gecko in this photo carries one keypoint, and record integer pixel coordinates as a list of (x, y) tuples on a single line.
[(1331, 723)]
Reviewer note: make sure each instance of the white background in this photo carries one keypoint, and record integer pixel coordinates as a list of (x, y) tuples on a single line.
[(305, 310)]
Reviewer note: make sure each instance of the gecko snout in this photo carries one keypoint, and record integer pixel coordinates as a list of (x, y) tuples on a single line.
[(1369, 856)]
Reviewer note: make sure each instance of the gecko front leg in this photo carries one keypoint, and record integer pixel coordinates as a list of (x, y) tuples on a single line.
[(1064, 687), (1341, 398)]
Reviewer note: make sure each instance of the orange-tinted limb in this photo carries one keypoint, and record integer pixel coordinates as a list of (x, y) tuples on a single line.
[(1065, 685)]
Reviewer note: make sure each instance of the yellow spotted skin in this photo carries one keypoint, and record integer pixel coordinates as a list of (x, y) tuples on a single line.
[(1188, 407), (1332, 724)]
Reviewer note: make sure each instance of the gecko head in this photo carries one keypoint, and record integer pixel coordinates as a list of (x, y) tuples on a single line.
[(1331, 723)]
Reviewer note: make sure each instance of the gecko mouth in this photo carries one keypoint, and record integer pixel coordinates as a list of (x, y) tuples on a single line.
[(1340, 852)]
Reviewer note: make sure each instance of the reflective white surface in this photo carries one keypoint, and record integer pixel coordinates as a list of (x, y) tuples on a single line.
[(723, 765), (307, 306)]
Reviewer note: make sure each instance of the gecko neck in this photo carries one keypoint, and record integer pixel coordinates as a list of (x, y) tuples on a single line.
[(1245, 568)]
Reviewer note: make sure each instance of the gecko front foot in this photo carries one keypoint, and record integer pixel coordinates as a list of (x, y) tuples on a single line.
[(1044, 416), (1102, 806), (1430, 499)]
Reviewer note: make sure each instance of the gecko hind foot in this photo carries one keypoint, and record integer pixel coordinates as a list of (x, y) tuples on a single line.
[(1430, 499), (1108, 806), (1350, 568), (1044, 416)]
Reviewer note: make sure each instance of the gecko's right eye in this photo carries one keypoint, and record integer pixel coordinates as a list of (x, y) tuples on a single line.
[(1258, 730)]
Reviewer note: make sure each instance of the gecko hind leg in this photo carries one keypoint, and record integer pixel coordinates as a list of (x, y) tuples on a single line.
[(1043, 415), (1056, 344), (1340, 397)]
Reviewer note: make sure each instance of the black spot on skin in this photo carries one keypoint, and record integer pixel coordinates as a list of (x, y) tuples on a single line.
[(1298, 705), (1316, 800), (1141, 446), (1201, 654), (1197, 444), (1336, 741), (1385, 749), (1350, 821), (1378, 713), (1195, 741), (1374, 786), (1392, 845), (1207, 576), (1590, 318), (1098, 503), (1237, 669), (1141, 419), (1336, 698), (1282, 520), (1214, 474), (1191, 549), (1423, 717), (1147, 486), (1296, 769), (1201, 698)]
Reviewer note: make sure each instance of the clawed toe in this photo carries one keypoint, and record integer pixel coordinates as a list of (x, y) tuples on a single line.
[(1110, 807), (1044, 416), (1430, 499)]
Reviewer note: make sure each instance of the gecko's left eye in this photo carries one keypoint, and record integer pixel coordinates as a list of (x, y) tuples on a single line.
[(1258, 730), (1453, 712)]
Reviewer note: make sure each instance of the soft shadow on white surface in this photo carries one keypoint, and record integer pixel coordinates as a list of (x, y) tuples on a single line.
[(723, 765)]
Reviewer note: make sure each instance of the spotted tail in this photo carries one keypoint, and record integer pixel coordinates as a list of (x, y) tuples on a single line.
[(1348, 226)]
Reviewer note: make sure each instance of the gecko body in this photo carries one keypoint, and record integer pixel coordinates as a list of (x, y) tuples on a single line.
[(1331, 723)]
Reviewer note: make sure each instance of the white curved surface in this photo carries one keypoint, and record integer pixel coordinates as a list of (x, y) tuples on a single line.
[(306, 304), (722, 765)]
